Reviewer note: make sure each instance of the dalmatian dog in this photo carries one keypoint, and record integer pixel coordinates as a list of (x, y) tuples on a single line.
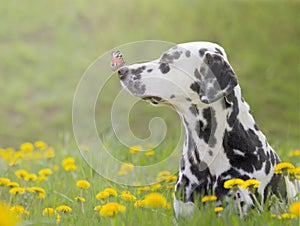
[(222, 140)]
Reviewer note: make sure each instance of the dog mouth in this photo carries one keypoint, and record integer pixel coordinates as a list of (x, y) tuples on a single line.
[(153, 99)]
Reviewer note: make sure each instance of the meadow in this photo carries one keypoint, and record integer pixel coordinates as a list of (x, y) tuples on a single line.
[(47, 46)]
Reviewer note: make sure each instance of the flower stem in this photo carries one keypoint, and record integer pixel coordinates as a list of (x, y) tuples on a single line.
[(82, 207), (259, 206), (239, 205)]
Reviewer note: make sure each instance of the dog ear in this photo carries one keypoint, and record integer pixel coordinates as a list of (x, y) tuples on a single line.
[(217, 78)]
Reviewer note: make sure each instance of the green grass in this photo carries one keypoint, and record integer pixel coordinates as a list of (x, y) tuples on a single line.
[(61, 189), (47, 46)]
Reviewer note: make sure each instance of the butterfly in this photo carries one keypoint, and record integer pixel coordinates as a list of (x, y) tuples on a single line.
[(117, 60)]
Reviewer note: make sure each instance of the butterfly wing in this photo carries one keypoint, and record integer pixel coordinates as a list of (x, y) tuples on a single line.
[(117, 60)]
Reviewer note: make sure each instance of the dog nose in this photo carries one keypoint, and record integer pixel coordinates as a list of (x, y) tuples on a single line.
[(123, 72)]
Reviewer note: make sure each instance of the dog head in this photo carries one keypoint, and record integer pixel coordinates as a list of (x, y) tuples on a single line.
[(198, 72)]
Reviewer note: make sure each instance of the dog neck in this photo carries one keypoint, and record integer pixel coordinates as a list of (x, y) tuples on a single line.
[(205, 126)]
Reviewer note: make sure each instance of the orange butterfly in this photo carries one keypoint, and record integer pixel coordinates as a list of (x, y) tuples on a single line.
[(117, 60)]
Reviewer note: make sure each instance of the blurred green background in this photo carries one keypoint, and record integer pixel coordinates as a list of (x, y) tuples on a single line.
[(45, 47)]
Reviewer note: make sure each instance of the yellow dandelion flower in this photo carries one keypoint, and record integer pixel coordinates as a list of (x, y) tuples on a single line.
[(83, 184), (283, 167), (163, 175), (111, 191), (69, 164), (41, 145), (39, 191), (31, 177), (18, 155), (126, 167), (150, 152), (45, 172), (122, 172), (21, 173), (79, 199), (127, 196), (135, 149), (12, 184), (295, 173), (209, 198), (288, 216), (294, 153), (4, 181), (19, 210), (68, 161), (155, 187), (295, 208), (171, 179), (27, 147), (49, 212), (70, 167), (17, 190), (111, 208), (42, 178), (233, 183), (139, 203), (218, 209), (7, 217), (155, 200), (97, 208), (102, 195), (251, 184), (143, 189), (276, 216), (64, 209), (50, 153)]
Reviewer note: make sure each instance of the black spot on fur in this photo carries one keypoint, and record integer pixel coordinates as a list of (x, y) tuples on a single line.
[(256, 127), (180, 189), (207, 133), (136, 87), (164, 68), (172, 96), (202, 51), (219, 51), (202, 70), (188, 53), (197, 74), (176, 55), (205, 181), (272, 158), (182, 164), (136, 77), (267, 167), (210, 152), (170, 56), (194, 109), (150, 70), (138, 70), (231, 98), (188, 99), (185, 122), (195, 87), (222, 71), (247, 142)]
